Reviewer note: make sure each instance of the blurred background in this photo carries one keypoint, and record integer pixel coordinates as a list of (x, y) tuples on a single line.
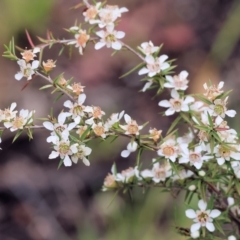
[(39, 202)]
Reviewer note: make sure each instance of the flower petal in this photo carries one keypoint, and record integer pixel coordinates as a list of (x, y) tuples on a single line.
[(125, 153), (202, 205), (214, 213), (190, 213), (195, 227), (210, 227)]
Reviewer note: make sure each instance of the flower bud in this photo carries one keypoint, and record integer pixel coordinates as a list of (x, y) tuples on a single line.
[(192, 188), (202, 173)]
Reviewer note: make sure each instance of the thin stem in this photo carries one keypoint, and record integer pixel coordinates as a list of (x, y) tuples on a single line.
[(51, 81)]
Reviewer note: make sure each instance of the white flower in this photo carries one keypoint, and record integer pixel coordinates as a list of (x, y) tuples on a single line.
[(94, 113), (26, 69), (131, 147), (154, 65), (161, 172), (81, 40), (109, 38), (194, 157), (169, 149), (224, 153), (63, 148), (114, 118), (91, 12), (202, 217), (24, 118), (8, 114), (148, 48), (99, 129), (212, 91), (82, 152), (131, 127), (176, 104), (219, 108), (76, 109), (108, 15), (178, 82), (60, 127), (126, 176)]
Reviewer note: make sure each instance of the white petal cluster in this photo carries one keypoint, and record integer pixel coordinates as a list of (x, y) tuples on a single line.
[(202, 217), (27, 69), (176, 103)]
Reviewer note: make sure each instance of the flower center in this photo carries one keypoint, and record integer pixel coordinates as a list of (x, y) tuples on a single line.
[(219, 109), (177, 104), (82, 39), (110, 38), (225, 153), (160, 173), (27, 71), (77, 110), (91, 13), (64, 148), (132, 128), (99, 130), (18, 122), (202, 217), (168, 151), (59, 129), (154, 67), (97, 112), (194, 157)]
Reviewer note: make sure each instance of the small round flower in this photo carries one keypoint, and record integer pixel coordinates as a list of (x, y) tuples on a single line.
[(77, 88), (178, 82), (155, 134), (81, 153), (148, 48), (26, 69), (169, 149), (91, 12), (154, 65), (49, 65), (28, 55), (109, 182), (212, 91), (202, 217), (81, 40), (99, 129), (161, 171), (109, 38), (132, 128), (176, 104), (126, 176)]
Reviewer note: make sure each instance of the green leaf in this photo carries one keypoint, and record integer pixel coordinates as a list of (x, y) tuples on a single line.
[(203, 99), (223, 95), (173, 125), (60, 163), (140, 151), (85, 133), (19, 132), (61, 51), (58, 97), (132, 70), (186, 118), (46, 86), (219, 227)]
